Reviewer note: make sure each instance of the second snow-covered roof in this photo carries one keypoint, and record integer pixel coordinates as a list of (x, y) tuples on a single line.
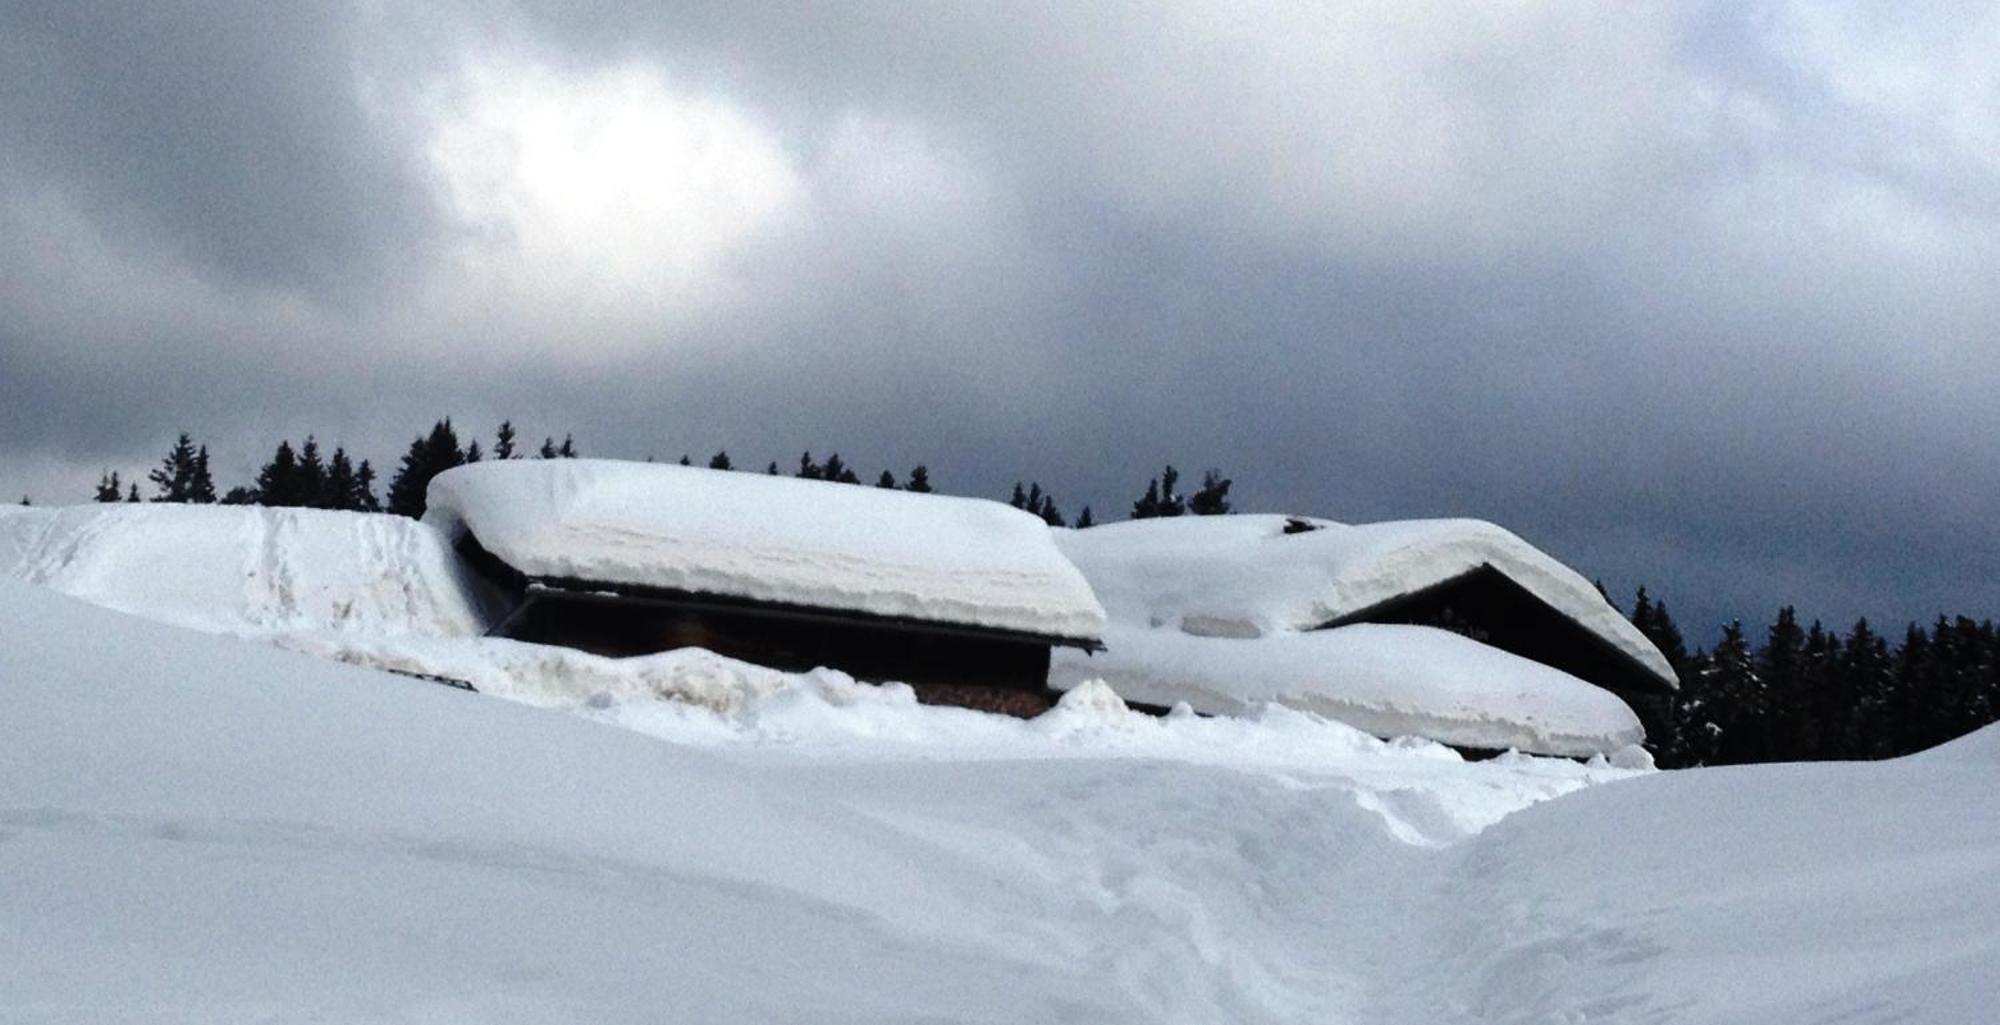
[(1245, 576), (865, 550)]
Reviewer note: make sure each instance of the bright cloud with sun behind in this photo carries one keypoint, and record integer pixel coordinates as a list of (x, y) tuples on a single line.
[(599, 198)]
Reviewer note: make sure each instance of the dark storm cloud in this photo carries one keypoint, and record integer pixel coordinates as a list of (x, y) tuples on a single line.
[(1700, 300), (232, 134)]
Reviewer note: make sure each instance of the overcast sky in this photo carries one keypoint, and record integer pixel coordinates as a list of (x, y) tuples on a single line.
[(1699, 294)]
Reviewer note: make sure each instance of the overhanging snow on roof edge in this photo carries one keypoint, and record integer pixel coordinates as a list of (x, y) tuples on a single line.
[(774, 540)]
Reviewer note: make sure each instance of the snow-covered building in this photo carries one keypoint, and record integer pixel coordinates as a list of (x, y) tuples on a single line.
[(1456, 630), (962, 599)]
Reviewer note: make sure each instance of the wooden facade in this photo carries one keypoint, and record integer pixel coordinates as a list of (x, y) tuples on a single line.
[(993, 670)]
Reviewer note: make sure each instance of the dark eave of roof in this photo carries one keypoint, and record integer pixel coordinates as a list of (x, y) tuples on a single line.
[(1640, 677), (569, 589)]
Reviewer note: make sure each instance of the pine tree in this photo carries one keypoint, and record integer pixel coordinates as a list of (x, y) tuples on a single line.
[(1171, 502), (132, 495), (685, 461), (567, 449), (720, 461), (887, 481), (549, 450), (1212, 498), (1148, 505), (837, 471), (311, 485), (503, 441), (472, 453), (278, 482), (201, 488), (1049, 513), (920, 480), (1781, 664), (1019, 499), (772, 469), (363, 499), (109, 489), (338, 493), (809, 470), (429, 456), (1084, 520), (174, 481)]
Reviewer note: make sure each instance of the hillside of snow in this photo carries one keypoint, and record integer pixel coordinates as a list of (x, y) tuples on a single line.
[(249, 570), (202, 829)]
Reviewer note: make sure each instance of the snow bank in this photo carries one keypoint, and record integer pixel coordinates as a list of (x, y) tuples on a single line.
[(1243, 576), (747, 535), (196, 829), (248, 570), (1391, 681)]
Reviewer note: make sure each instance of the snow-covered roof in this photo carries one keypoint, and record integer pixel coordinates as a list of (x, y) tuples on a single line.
[(1388, 680), (1246, 576), (751, 536), (247, 570)]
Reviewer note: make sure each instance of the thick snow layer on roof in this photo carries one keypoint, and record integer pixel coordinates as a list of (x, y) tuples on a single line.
[(248, 570), (1243, 576), (746, 535), (1391, 681)]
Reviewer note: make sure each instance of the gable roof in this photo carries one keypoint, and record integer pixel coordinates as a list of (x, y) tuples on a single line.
[(1250, 576), (781, 540)]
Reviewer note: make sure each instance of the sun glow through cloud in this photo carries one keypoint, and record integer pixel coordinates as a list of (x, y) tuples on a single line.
[(607, 188)]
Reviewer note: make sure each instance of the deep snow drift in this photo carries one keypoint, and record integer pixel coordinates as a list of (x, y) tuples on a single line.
[(778, 539), (197, 829), (248, 570)]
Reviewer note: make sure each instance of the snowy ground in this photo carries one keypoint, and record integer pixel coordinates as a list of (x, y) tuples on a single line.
[(200, 829)]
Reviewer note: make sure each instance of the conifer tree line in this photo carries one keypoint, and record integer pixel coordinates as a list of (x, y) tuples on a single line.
[(1808, 693), (303, 476)]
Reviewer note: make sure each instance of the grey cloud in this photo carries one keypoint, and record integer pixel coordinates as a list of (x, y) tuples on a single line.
[(1562, 273)]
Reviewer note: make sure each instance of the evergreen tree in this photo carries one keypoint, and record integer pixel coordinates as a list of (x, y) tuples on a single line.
[(132, 495), (363, 498), (1739, 701), (772, 469), (837, 471), (1866, 686), (24, 500), (1212, 498), (1049, 513), (503, 442), (280, 483), (685, 461), (109, 489), (1084, 520), (567, 449), (1019, 499), (887, 481), (472, 453), (1161, 499), (429, 456), (809, 470), (720, 461), (176, 478), (1148, 505), (338, 492), (202, 488), (548, 450), (920, 480), (311, 485)]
